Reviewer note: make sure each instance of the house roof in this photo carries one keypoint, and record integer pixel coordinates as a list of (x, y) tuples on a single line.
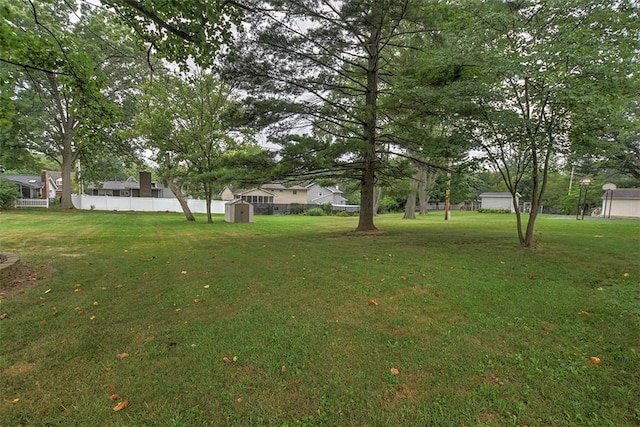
[(116, 185), (280, 186), (33, 181), (623, 193)]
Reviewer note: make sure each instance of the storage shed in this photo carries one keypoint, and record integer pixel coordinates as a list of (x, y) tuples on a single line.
[(238, 211), (496, 201), (621, 202)]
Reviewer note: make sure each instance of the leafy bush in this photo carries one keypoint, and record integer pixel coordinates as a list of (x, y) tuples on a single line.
[(296, 209), (495, 211), (327, 208), (8, 194), (316, 212)]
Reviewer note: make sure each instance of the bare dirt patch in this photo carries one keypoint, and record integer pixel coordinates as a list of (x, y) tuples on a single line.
[(27, 277)]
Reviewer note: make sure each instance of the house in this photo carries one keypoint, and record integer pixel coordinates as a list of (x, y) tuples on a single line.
[(274, 193), (286, 195), (621, 202), (498, 201), (319, 195), (29, 186), (130, 188)]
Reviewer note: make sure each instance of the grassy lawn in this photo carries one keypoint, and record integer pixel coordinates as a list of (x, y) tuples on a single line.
[(297, 320)]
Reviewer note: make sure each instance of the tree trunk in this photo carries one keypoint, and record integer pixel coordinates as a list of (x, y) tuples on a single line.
[(177, 191), (410, 205), (207, 196), (367, 184), (67, 166)]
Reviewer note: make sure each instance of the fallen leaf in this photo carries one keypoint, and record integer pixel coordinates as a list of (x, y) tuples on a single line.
[(106, 368), (114, 397), (394, 371), (120, 406), (227, 360), (402, 277), (92, 318), (184, 271), (16, 400), (196, 300), (283, 369), (239, 399), (47, 291), (372, 302), (595, 360), (584, 313), (122, 355), (4, 316), (626, 274), (206, 286)]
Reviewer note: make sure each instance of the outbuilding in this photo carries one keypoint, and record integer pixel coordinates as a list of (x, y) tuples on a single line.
[(498, 201), (621, 202), (238, 211)]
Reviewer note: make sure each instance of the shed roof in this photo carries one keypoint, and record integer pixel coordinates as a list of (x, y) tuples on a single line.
[(623, 193), (496, 194)]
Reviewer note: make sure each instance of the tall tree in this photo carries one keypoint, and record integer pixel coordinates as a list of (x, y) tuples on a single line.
[(325, 65), (191, 124), (70, 61), (541, 68)]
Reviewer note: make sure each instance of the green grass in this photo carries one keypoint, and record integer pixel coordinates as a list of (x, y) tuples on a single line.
[(482, 331)]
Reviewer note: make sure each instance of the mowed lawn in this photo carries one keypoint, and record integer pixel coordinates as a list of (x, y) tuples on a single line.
[(297, 320)]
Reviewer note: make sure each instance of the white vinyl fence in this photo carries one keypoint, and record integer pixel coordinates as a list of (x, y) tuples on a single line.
[(32, 203), (142, 204)]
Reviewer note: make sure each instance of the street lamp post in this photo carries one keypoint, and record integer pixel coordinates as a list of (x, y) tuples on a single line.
[(582, 203)]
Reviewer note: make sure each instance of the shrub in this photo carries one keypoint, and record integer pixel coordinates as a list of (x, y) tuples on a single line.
[(296, 209), (8, 194), (495, 211), (315, 212), (327, 208)]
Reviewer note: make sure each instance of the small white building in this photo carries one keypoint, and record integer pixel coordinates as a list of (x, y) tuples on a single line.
[(498, 201), (621, 202), (238, 211)]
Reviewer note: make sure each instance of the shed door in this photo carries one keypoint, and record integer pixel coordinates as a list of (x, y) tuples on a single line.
[(242, 213)]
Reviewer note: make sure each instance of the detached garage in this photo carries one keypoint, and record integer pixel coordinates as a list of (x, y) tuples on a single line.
[(621, 202), (238, 211), (498, 201)]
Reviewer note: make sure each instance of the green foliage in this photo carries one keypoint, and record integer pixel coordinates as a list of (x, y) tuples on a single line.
[(316, 212), (327, 208), (494, 211), (182, 30), (8, 194), (296, 209)]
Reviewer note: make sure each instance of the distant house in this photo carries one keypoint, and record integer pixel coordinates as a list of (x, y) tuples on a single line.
[(498, 201), (29, 186), (130, 188), (621, 202), (319, 195), (267, 194)]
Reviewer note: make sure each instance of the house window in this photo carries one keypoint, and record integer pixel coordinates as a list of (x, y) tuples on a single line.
[(295, 192), (59, 182)]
